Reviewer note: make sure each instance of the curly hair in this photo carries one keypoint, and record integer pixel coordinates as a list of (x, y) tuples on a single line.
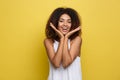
[(54, 18)]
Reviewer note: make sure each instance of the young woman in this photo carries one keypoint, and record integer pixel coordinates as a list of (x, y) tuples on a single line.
[(63, 44)]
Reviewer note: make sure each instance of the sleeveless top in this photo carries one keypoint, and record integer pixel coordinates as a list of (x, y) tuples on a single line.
[(72, 72)]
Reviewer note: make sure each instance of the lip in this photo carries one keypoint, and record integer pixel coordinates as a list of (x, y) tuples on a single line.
[(64, 30)]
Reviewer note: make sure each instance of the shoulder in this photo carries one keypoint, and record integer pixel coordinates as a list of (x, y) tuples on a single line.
[(48, 41), (77, 39)]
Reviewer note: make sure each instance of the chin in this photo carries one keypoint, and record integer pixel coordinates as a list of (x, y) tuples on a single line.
[(64, 32)]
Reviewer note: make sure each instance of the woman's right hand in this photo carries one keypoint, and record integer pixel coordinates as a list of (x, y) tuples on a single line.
[(57, 31)]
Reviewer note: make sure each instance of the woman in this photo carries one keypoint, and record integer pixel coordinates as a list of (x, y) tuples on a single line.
[(63, 44)]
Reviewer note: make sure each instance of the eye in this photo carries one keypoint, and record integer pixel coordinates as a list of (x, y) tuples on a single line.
[(69, 21), (60, 20)]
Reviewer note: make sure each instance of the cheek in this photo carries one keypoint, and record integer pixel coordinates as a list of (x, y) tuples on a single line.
[(59, 28), (70, 26), (59, 24)]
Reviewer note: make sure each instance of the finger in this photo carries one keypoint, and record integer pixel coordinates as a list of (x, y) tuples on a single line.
[(52, 26), (77, 29)]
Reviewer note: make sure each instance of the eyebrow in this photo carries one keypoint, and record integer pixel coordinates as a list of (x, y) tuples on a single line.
[(63, 19)]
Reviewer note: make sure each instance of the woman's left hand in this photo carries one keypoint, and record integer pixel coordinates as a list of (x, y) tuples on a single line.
[(71, 32)]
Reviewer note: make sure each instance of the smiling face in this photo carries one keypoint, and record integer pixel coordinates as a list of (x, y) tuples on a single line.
[(64, 24)]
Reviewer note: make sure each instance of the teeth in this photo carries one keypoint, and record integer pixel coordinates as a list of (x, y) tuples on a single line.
[(64, 28)]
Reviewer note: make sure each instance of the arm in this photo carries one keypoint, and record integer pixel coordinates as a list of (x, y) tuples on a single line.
[(70, 55), (55, 58)]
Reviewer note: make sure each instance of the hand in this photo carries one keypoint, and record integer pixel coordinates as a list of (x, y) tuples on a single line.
[(71, 32), (57, 31)]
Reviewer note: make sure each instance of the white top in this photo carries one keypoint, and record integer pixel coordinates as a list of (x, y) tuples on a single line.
[(72, 72)]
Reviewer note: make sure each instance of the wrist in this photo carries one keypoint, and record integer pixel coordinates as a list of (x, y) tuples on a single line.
[(66, 38), (62, 38)]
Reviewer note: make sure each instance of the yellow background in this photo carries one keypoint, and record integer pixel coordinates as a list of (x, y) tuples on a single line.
[(22, 31)]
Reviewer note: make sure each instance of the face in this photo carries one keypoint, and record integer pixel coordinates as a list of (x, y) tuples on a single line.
[(64, 24)]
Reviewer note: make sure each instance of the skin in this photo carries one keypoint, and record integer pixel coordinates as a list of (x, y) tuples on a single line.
[(63, 54)]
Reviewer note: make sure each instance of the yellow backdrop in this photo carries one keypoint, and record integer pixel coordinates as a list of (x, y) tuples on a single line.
[(22, 31)]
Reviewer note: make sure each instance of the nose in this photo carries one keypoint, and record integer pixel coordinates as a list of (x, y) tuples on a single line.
[(65, 23)]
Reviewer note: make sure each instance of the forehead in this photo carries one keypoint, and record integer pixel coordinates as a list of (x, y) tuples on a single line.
[(65, 16)]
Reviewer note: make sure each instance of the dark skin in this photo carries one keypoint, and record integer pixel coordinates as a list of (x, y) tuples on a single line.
[(63, 54)]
